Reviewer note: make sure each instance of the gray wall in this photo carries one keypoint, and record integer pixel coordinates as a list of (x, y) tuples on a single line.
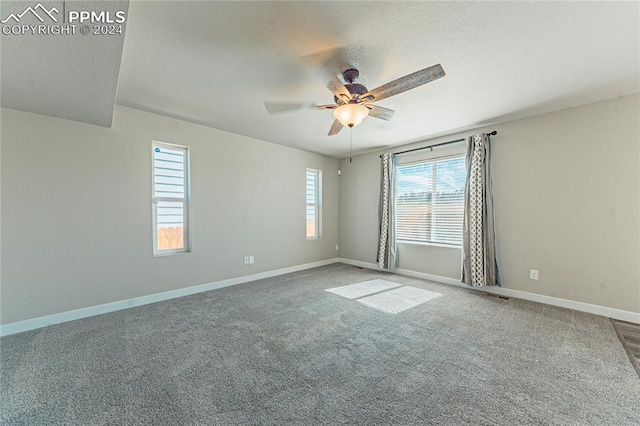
[(76, 210), (567, 197)]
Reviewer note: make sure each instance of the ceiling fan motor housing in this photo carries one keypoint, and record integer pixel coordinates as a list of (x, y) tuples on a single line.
[(350, 75), (354, 89)]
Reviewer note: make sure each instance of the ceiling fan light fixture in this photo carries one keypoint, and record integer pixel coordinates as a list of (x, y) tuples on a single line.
[(350, 114)]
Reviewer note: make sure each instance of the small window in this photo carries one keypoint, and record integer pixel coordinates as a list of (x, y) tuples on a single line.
[(170, 198), (429, 201), (314, 204)]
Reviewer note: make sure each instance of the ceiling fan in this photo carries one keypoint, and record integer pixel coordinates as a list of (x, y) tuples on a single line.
[(354, 102)]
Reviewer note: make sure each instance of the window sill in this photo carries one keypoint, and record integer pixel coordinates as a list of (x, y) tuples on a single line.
[(173, 253), (419, 243)]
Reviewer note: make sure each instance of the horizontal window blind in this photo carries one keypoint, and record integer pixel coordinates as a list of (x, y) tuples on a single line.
[(429, 201), (168, 172)]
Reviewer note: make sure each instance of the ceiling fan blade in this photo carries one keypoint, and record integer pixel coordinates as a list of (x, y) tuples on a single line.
[(329, 62), (278, 107), (329, 106), (335, 128), (405, 83), (380, 112), (339, 90)]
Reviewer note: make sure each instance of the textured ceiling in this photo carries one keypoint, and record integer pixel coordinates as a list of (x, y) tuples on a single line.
[(216, 63), (72, 76)]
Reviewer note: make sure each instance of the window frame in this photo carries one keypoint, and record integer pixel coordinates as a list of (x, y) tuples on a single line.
[(431, 160), (317, 204), (186, 200)]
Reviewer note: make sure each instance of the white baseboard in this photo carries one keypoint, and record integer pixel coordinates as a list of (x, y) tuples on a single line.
[(31, 324), (518, 294)]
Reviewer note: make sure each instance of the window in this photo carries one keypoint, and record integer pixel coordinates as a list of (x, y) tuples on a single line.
[(170, 198), (314, 203), (429, 201)]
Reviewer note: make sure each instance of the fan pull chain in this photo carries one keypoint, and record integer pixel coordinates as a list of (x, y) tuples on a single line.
[(350, 142)]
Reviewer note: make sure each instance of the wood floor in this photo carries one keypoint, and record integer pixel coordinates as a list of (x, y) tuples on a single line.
[(629, 335)]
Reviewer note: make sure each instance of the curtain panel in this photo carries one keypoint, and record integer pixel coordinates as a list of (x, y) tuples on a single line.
[(479, 262), (386, 242)]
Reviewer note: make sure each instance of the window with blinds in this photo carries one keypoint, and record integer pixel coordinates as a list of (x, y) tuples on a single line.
[(314, 191), (170, 198), (429, 201)]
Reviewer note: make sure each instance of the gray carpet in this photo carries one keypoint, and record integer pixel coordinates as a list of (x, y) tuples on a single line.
[(284, 351)]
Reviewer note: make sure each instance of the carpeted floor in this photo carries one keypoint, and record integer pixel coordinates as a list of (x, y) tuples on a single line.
[(284, 351)]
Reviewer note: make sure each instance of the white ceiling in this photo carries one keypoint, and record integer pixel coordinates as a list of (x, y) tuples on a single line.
[(70, 76), (215, 63)]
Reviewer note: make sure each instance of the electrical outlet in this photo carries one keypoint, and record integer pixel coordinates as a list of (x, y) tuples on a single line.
[(533, 274), (250, 259), (336, 247), (246, 260)]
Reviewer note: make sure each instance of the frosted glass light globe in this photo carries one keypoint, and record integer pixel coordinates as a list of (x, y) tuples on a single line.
[(351, 114)]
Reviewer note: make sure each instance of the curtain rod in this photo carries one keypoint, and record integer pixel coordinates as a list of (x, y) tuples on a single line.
[(438, 144)]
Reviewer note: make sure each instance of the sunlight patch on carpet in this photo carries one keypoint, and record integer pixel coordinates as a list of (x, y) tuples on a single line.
[(398, 300), (365, 288), (384, 295)]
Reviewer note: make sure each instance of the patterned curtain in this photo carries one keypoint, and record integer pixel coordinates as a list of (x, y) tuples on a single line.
[(479, 262), (386, 241)]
